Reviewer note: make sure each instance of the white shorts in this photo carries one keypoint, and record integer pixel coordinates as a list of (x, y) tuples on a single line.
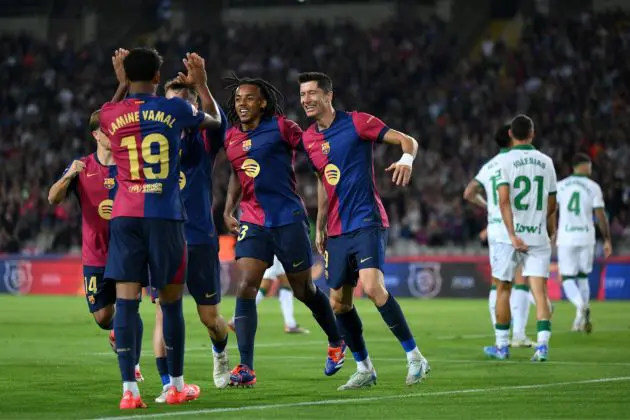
[(573, 260), (275, 270), (504, 259)]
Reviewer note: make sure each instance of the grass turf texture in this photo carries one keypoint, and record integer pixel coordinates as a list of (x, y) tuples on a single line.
[(56, 363)]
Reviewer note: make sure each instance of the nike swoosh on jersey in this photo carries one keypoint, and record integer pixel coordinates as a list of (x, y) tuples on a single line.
[(92, 174), (208, 295), (297, 264), (365, 259)]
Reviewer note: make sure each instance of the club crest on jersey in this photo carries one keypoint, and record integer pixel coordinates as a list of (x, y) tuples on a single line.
[(109, 183), (247, 144), (325, 148)]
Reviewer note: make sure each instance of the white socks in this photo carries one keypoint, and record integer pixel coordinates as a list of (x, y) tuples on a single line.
[(414, 355), (519, 306), (259, 297), (502, 336), (492, 305), (585, 289), (178, 382), (285, 296), (131, 386), (365, 365)]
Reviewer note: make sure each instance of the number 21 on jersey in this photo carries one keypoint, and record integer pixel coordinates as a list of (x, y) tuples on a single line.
[(155, 156)]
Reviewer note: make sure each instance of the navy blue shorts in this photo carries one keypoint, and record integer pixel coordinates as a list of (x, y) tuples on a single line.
[(98, 292), (347, 254), (204, 274), (290, 243), (137, 243)]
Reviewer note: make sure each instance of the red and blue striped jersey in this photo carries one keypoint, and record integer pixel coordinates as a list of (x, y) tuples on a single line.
[(342, 155), (145, 135), (263, 160), (95, 188), (199, 150)]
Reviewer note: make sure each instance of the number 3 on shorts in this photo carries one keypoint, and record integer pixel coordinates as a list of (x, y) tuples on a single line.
[(242, 232)]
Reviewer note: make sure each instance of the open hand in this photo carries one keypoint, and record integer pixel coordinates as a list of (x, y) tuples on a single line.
[(402, 173)]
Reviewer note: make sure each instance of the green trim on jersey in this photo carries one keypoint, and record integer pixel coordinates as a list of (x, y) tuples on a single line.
[(504, 150), (523, 147)]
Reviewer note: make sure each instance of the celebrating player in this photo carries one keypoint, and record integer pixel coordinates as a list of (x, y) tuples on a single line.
[(486, 180), (578, 198), (199, 150), (92, 179), (285, 297), (526, 187), (340, 147), (147, 216), (261, 147)]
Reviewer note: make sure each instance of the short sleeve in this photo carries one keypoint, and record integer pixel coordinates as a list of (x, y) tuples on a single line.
[(598, 198), (102, 117), (369, 127), (291, 132), (187, 115), (502, 175)]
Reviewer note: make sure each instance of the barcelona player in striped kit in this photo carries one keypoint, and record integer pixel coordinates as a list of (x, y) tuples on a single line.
[(261, 147), (92, 180), (351, 219), (147, 217)]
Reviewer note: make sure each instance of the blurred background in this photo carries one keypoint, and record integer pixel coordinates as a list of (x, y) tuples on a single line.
[(448, 72)]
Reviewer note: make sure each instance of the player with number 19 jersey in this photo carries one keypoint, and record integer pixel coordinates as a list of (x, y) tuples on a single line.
[(145, 135), (531, 178)]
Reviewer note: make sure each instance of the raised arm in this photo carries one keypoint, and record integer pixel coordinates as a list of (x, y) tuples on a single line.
[(322, 216), (472, 194), (196, 67), (231, 202), (59, 189), (121, 76)]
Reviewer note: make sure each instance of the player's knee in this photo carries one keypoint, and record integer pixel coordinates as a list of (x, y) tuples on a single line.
[(376, 292), (340, 307), (104, 318)]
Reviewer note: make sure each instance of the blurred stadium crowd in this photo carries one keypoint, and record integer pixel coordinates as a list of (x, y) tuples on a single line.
[(572, 77)]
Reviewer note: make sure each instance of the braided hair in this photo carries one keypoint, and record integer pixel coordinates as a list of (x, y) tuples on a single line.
[(269, 92)]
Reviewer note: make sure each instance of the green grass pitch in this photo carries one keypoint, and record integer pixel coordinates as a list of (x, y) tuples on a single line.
[(56, 363)]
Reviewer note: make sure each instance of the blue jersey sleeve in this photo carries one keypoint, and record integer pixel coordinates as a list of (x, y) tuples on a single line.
[(188, 116)]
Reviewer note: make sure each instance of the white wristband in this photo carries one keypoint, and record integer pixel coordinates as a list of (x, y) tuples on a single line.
[(406, 159)]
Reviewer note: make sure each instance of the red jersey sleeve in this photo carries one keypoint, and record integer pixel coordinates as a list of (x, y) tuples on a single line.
[(291, 132), (369, 127)]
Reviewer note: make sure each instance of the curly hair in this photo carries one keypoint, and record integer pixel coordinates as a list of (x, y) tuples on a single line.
[(269, 92)]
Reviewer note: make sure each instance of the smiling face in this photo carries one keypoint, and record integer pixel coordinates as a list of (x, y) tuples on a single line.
[(313, 99), (249, 103)]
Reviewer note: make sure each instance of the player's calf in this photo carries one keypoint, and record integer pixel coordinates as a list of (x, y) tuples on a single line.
[(104, 317)]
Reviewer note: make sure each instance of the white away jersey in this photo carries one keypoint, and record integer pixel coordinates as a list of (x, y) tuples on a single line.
[(531, 178), (578, 196), (488, 178)]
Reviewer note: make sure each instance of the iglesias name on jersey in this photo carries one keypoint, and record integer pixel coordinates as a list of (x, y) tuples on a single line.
[(199, 150), (144, 131), (578, 196), (488, 177), (531, 178), (263, 159), (343, 156), (95, 188)]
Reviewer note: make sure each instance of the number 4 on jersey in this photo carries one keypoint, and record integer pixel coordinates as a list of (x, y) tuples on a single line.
[(574, 203)]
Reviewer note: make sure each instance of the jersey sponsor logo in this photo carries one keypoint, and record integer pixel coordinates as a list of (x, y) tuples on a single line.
[(528, 229), (572, 229), (332, 174), (424, 280), (18, 277), (146, 188), (182, 180), (109, 183), (247, 144), (326, 148), (251, 168), (105, 209)]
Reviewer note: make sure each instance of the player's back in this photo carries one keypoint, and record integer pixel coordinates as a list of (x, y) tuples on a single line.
[(531, 177), (578, 196), (198, 153), (488, 177), (144, 131), (263, 159), (343, 155), (95, 188)]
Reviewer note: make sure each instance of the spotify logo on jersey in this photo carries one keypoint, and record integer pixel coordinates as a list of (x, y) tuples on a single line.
[(332, 174), (251, 168), (105, 209)]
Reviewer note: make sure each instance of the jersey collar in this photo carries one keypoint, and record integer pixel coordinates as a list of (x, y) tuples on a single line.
[(504, 150), (140, 95), (523, 147)]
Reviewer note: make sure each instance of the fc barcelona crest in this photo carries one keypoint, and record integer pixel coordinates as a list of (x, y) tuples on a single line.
[(109, 183), (325, 148), (247, 144)]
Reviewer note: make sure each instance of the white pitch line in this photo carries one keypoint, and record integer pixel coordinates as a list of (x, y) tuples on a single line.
[(359, 400)]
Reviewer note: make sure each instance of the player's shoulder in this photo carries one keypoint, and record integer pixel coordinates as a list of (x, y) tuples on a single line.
[(311, 130), (285, 123)]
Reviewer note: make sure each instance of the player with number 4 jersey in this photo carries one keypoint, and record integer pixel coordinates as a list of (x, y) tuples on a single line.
[(527, 201), (147, 217), (579, 199)]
